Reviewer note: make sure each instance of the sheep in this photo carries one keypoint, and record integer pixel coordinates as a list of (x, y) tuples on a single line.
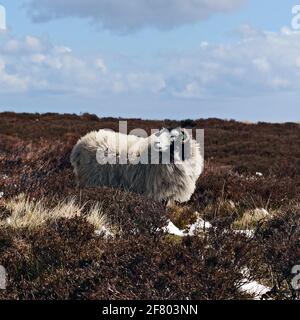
[(164, 166)]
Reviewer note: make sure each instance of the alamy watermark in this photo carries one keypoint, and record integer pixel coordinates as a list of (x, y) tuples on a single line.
[(164, 146), (296, 17), (3, 278), (2, 18), (296, 280)]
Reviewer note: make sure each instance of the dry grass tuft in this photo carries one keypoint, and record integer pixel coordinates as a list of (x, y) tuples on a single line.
[(252, 218), (182, 216), (29, 214)]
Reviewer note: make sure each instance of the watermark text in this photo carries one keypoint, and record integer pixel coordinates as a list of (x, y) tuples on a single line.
[(296, 17), (296, 279), (2, 18), (3, 278)]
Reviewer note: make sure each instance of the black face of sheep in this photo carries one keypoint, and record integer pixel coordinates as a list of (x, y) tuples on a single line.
[(174, 142)]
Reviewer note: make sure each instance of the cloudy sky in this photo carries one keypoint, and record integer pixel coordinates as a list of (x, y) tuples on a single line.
[(178, 59)]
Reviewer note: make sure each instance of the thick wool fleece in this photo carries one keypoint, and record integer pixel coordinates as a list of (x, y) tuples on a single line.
[(174, 181)]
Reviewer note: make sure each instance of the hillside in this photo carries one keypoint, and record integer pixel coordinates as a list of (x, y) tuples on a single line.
[(54, 245)]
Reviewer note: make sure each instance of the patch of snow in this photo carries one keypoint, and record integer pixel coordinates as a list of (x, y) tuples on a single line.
[(104, 232), (172, 229), (248, 232), (254, 288), (259, 174), (200, 224), (1, 194)]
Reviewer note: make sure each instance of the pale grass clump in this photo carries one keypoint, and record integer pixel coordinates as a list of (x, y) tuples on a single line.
[(182, 216), (99, 221), (251, 218), (221, 208), (26, 213)]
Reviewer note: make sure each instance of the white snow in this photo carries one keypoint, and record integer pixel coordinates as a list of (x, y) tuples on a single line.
[(1, 194), (259, 174), (248, 232), (200, 224), (251, 287), (172, 229), (191, 230), (254, 288)]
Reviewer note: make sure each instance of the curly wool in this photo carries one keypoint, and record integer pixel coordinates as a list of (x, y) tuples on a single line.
[(174, 181)]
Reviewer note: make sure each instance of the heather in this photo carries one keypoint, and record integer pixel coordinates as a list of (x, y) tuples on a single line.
[(61, 242)]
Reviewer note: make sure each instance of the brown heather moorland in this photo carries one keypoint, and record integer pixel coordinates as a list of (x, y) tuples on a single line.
[(56, 241)]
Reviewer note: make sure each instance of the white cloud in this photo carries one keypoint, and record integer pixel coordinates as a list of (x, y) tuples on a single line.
[(33, 44), (256, 64), (34, 65), (11, 82), (259, 62), (101, 65), (145, 82), (133, 14), (29, 44), (192, 90)]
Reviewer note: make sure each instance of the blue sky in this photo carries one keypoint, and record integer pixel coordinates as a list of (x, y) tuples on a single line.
[(152, 59)]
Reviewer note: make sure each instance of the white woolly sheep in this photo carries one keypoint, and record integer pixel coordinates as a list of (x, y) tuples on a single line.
[(164, 166)]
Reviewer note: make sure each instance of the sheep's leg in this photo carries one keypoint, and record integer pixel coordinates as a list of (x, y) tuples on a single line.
[(168, 203)]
